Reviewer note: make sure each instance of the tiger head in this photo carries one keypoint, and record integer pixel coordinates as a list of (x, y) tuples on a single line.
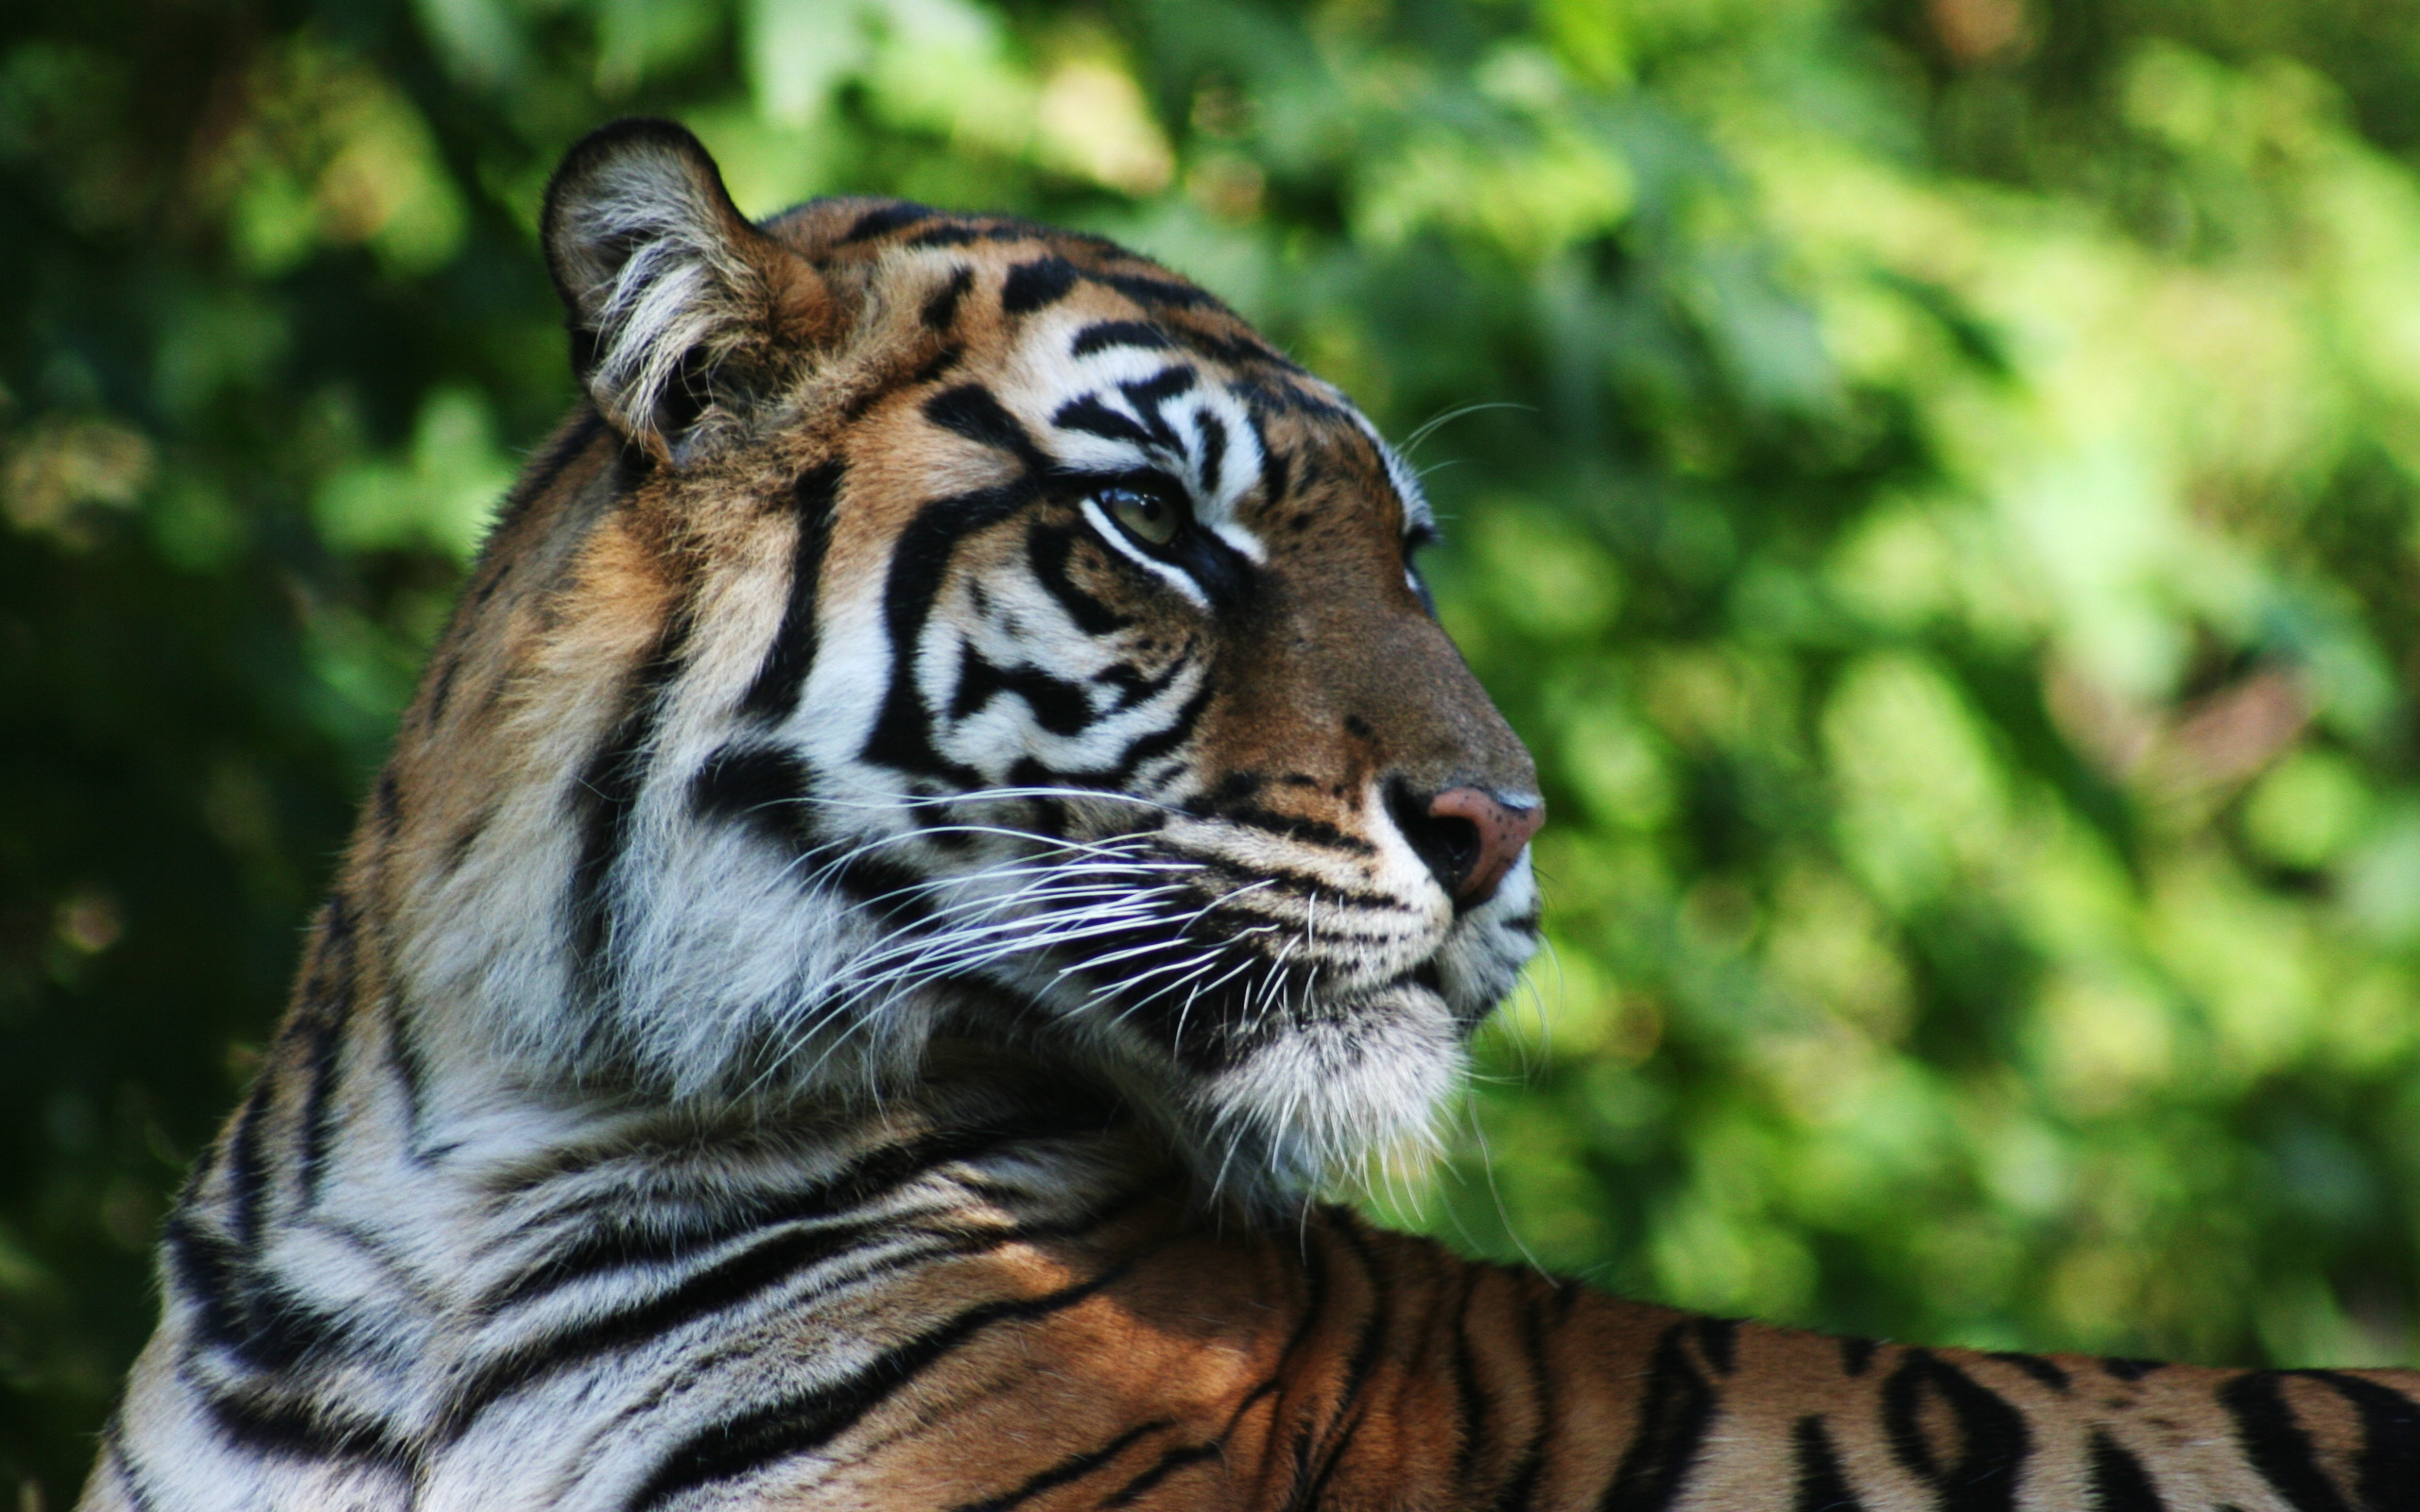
[(943, 629)]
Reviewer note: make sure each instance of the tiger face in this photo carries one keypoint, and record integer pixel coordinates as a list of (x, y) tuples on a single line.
[(950, 631)]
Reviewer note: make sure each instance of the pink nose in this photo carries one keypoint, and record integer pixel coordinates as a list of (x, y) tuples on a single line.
[(1479, 836)]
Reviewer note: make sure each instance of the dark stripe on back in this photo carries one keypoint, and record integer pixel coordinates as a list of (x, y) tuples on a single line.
[(1983, 1472), (941, 308), (2125, 1369), (1154, 293), (2390, 1457), (1359, 1366), (1470, 1402), (1036, 286), (806, 1420), (2046, 1371), (2275, 1444), (1857, 1354), (883, 220), (773, 694), (1521, 1487), (1718, 1340), (1676, 1406), (2119, 1484), (1822, 1485)]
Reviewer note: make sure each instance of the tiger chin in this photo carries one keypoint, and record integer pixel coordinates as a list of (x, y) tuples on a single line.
[(943, 812)]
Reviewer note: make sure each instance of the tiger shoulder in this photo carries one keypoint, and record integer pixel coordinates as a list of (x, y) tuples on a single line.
[(943, 810)]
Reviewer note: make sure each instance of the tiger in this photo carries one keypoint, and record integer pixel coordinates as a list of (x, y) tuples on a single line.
[(944, 815)]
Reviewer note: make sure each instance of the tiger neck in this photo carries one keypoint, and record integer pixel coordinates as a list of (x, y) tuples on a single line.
[(455, 1186)]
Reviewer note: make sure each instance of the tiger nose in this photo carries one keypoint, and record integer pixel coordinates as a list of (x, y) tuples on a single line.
[(1470, 838)]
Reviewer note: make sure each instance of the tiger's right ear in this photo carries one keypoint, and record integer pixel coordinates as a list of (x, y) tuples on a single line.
[(684, 315)]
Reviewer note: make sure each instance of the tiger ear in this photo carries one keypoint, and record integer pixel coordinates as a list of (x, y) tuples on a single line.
[(684, 315)]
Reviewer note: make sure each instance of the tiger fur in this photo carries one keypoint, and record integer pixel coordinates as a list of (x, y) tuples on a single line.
[(942, 810)]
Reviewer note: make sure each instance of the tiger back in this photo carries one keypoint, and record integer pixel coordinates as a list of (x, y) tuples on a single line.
[(943, 811)]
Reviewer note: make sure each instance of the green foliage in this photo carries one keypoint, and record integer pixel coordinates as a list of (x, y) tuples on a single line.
[(1935, 483)]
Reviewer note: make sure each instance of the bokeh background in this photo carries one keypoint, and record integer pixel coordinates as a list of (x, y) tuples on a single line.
[(1936, 481)]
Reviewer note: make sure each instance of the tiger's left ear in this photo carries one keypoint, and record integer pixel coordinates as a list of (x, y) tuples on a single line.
[(684, 315)]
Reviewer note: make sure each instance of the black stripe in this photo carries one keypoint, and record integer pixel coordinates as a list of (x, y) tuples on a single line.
[(1168, 738), (301, 1428), (941, 308), (1276, 468), (731, 1282), (2390, 1461), (1718, 1340), (1103, 334), (1856, 1355), (2275, 1445), (2046, 1371), (902, 735), (1036, 286), (1154, 293), (806, 1420), (772, 694), (1301, 828), (1049, 552), (962, 233), (1074, 1468), (1470, 1402), (1521, 1488), (237, 1309), (970, 410), (2119, 1484), (1059, 706), (317, 1027), (764, 790), (120, 1460), (1241, 351), (247, 1173), (1822, 1485), (1676, 1406), (1149, 397), (1169, 1463), (2125, 1369), (449, 666), (1359, 1368), (1213, 432), (607, 1246), (608, 792), (1993, 1442), (885, 218), (1094, 417)]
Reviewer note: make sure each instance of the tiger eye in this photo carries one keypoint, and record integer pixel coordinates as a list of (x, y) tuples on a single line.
[(1147, 517)]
